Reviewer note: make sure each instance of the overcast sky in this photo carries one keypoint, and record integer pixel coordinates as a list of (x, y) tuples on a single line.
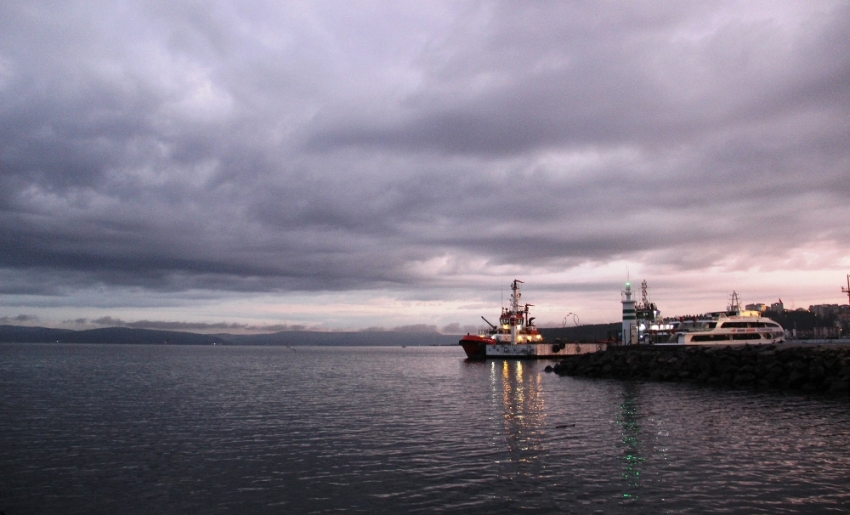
[(344, 165)]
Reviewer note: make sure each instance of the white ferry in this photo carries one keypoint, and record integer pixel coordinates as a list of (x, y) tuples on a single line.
[(733, 326)]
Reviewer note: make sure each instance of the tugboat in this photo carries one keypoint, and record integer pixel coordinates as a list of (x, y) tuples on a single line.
[(516, 336), (515, 326)]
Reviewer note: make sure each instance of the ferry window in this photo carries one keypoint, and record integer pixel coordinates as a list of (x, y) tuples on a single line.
[(708, 337), (711, 325), (745, 336)]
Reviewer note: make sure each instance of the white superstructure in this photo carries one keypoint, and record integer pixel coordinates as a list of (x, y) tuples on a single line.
[(515, 324)]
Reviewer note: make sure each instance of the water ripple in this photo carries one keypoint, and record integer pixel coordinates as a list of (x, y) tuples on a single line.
[(137, 429)]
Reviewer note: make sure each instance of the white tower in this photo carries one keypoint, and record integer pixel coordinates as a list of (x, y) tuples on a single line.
[(629, 316), (515, 296)]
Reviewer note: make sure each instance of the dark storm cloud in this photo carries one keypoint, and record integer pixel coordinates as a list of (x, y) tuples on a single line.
[(257, 147), (564, 75)]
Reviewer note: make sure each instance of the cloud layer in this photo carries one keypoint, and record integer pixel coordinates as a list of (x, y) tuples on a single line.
[(230, 149)]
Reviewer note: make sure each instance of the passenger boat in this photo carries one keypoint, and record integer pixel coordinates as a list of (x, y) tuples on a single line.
[(733, 326), (516, 336)]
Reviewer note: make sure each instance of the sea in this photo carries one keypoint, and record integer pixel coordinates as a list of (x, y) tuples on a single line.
[(91, 429)]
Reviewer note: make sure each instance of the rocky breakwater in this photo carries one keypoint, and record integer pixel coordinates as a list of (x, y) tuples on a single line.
[(823, 368)]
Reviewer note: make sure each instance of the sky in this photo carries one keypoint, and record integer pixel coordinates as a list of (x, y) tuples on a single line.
[(264, 165)]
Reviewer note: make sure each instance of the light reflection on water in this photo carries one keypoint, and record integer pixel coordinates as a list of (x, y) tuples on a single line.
[(134, 429), (629, 421), (522, 407)]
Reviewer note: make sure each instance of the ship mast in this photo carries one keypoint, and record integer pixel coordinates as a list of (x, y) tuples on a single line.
[(734, 303), (515, 314)]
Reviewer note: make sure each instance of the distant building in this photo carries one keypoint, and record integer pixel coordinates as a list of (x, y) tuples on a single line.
[(825, 310), (759, 306), (778, 307)]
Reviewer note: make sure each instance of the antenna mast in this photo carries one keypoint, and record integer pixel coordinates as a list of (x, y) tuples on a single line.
[(734, 303), (847, 289)]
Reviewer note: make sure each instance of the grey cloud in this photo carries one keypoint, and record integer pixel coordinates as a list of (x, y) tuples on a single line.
[(455, 328), (569, 77), (19, 319), (416, 328), (194, 326), (252, 147)]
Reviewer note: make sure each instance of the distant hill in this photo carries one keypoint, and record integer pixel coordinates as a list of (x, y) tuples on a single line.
[(126, 335), (20, 334), (359, 338), (15, 333)]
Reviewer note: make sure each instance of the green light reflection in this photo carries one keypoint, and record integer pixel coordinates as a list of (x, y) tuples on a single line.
[(630, 428)]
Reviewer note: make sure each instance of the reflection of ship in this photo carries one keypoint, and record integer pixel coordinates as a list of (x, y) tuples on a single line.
[(516, 336), (725, 327), (519, 412)]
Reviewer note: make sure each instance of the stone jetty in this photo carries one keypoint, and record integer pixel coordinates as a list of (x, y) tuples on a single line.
[(821, 368)]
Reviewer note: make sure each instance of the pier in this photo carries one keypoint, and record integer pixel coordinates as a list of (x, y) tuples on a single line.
[(803, 367)]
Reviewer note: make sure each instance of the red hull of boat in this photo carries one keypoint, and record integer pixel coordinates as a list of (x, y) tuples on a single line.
[(475, 346)]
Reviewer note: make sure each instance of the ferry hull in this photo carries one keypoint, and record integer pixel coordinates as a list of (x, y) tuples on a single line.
[(480, 348), (733, 337), (724, 342), (542, 350)]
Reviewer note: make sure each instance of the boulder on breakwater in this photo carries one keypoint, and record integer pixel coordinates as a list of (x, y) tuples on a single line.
[(823, 368)]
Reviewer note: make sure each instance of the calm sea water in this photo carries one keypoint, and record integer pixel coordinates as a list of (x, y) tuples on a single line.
[(166, 429)]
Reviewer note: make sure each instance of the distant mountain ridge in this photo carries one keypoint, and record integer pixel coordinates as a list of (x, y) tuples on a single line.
[(127, 335)]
